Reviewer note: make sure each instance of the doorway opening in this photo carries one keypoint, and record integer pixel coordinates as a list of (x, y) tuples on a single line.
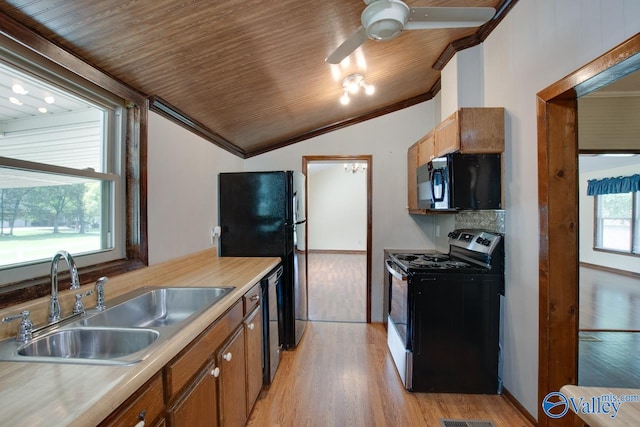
[(559, 217), (338, 237)]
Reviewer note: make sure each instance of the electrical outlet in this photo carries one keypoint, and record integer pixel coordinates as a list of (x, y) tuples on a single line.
[(215, 234)]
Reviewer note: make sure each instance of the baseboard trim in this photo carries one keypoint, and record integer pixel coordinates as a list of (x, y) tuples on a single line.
[(611, 270), (336, 252), (511, 399)]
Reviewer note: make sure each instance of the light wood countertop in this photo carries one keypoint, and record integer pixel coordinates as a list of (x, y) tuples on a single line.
[(597, 405), (51, 394)]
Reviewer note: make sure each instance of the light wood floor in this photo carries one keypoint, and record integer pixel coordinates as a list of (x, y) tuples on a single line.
[(337, 287), (342, 374), (608, 301), (608, 347)]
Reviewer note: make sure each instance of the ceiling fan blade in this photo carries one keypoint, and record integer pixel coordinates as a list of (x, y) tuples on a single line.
[(348, 46), (423, 18)]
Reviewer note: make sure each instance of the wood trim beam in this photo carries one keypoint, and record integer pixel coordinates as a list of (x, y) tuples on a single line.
[(475, 39)]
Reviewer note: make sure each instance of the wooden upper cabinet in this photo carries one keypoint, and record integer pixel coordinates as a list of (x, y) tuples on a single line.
[(426, 149), (412, 178), (471, 130)]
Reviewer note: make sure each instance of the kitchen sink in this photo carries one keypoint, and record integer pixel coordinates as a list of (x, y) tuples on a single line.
[(90, 343), (131, 327), (157, 307)]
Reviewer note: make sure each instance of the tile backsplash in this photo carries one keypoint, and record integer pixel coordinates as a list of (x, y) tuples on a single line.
[(491, 220)]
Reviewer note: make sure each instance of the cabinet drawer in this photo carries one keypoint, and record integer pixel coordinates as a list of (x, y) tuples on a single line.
[(147, 404), (251, 299), (180, 371)]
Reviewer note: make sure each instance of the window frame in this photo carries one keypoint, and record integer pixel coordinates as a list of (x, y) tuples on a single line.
[(635, 227), (22, 42)]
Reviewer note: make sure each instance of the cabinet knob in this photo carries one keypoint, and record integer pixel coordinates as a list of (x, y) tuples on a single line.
[(227, 357), (215, 372), (254, 298), (251, 326), (141, 417)]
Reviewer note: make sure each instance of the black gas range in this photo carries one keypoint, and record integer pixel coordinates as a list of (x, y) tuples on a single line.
[(444, 314)]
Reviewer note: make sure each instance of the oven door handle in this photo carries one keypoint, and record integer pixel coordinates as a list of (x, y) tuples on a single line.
[(394, 272)]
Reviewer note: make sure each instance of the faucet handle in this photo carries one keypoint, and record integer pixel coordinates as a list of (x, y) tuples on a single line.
[(78, 306), (100, 293), (25, 331)]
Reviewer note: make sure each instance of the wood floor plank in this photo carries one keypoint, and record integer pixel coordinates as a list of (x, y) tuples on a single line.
[(342, 374)]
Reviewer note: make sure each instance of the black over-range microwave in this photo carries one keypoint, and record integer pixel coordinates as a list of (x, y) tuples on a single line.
[(460, 181)]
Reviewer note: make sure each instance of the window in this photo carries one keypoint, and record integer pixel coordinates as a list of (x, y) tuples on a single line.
[(61, 163), (617, 221)]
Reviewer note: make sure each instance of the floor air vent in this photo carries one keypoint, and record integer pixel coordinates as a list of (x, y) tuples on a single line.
[(466, 423)]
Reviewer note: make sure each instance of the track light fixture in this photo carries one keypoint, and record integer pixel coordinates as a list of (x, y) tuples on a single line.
[(352, 84)]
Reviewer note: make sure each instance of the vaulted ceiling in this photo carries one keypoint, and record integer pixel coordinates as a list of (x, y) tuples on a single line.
[(251, 75)]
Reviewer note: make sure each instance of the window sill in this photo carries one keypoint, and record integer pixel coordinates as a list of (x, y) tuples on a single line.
[(23, 291), (615, 252)]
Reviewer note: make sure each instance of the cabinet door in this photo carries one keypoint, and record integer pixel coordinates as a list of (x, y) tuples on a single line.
[(199, 406), (481, 130), (254, 348), (426, 149), (233, 391), (145, 405), (447, 136)]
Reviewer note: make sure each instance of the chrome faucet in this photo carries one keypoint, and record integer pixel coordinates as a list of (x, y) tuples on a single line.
[(54, 304)]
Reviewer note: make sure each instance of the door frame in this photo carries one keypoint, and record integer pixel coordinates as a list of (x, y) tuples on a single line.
[(558, 216), (368, 159)]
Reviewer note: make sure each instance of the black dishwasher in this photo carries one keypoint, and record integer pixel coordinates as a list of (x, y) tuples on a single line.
[(271, 346)]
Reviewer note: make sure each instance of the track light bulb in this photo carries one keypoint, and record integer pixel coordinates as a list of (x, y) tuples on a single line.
[(369, 89)]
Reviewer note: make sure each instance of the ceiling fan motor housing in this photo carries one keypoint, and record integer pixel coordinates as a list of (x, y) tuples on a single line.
[(384, 20)]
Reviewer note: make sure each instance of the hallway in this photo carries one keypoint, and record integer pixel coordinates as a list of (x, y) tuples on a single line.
[(337, 286)]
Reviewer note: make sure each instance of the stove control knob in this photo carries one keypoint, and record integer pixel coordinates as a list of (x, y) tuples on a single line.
[(483, 241)]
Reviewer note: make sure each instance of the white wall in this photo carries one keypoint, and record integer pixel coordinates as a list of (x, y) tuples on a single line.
[(586, 203), (337, 208), (182, 177), (387, 139), (538, 43)]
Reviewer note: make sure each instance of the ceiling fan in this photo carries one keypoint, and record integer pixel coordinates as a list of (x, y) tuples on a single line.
[(386, 19)]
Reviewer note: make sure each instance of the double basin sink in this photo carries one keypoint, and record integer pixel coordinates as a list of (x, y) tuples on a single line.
[(131, 328)]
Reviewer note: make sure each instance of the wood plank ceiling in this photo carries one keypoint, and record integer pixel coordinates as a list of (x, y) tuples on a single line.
[(251, 74)]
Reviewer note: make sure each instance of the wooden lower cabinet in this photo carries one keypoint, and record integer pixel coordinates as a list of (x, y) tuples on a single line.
[(214, 381), (253, 353), (146, 405), (199, 406), (233, 392)]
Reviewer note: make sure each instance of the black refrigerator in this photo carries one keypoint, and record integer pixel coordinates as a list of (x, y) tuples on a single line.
[(263, 214)]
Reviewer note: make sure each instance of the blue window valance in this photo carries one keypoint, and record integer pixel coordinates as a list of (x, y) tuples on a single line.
[(621, 184)]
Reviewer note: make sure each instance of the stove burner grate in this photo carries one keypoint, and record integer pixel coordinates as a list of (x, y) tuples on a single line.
[(430, 261)]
